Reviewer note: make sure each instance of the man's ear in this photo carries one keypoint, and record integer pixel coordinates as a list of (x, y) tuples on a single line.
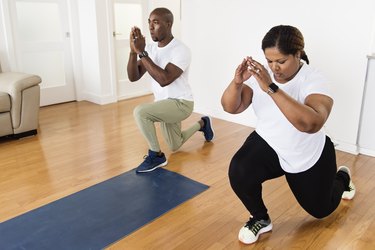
[(169, 25)]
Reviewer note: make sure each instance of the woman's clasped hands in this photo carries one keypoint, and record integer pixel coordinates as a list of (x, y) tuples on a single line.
[(250, 67)]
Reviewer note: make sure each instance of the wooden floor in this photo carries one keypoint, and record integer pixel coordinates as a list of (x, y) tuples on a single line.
[(80, 144)]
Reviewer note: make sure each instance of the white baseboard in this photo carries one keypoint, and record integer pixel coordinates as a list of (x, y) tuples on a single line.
[(101, 100), (365, 151), (134, 94), (345, 147)]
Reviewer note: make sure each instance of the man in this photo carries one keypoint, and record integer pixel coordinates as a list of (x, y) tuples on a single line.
[(167, 61)]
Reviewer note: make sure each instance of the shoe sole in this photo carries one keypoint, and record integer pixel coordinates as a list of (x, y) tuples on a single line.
[(262, 231), (152, 169), (349, 195)]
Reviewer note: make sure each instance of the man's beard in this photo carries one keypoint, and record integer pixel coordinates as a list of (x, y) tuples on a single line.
[(155, 39)]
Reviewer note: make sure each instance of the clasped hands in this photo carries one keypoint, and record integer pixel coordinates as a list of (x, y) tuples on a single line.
[(250, 67), (137, 40)]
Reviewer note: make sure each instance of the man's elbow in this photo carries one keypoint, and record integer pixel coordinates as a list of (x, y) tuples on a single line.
[(165, 82), (133, 78)]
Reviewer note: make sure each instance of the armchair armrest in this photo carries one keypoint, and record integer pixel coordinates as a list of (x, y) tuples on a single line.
[(14, 83)]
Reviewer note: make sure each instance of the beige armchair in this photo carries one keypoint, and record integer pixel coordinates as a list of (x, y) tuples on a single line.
[(19, 104)]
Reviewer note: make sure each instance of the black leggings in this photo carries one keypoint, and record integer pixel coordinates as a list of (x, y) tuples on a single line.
[(318, 190)]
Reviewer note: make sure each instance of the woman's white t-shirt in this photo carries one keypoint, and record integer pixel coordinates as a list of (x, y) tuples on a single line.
[(177, 53), (297, 151)]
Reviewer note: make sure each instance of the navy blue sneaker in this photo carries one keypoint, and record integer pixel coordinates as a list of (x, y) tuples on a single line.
[(207, 129), (152, 161)]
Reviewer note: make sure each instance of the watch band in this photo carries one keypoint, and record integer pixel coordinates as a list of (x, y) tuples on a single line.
[(143, 54), (272, 88)]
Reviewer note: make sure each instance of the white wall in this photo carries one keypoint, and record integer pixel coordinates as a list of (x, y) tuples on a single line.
[(338, 36), (372, 50)]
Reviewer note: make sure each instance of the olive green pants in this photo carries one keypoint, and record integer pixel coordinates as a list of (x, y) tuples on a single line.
[(169, 113)]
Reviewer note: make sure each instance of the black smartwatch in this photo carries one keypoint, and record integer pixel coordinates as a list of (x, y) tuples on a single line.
[(143, 54), (272, 88)]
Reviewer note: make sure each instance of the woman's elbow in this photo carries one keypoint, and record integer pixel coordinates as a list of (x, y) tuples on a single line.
[(229, 109), (309, 127), (225, 107)]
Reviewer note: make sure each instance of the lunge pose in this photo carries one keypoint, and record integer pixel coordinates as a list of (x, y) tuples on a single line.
[(167, 61), (292, 102)]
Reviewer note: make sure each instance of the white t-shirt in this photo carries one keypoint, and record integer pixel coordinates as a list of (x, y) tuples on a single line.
[(297, 151), (177, 53)]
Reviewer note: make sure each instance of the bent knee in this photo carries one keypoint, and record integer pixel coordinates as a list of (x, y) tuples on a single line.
[(318, 213), (140, 110), (137, 110), (319, 216), (174, 147), (235, 172)]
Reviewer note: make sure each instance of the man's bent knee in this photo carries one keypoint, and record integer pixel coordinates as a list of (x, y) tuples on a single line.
[(140, 110), (174, 147)]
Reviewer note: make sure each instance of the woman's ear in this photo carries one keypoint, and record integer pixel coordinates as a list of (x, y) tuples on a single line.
[(298, 55)]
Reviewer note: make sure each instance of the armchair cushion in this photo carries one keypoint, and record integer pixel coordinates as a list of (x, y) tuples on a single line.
[(5, 119), (4, 102)]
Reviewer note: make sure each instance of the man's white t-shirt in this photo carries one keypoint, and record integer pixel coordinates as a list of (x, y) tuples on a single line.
[(297, 151), (177, 53)]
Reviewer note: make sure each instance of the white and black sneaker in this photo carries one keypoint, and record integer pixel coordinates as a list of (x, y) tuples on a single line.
[(350, 190), (250, 232)]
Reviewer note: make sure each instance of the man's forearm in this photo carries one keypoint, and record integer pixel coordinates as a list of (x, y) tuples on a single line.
[(132, 68), (159, 74)]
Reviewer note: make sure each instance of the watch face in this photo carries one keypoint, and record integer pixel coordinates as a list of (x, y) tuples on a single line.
[(143, 54), (274, 87)]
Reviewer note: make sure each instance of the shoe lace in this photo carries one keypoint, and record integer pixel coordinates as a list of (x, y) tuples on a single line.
[(254, 225), (147, 158)]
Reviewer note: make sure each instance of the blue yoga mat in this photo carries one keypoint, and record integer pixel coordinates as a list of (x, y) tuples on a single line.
[(99, 215)]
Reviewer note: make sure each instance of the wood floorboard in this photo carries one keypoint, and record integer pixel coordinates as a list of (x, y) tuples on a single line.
[(80, 144)]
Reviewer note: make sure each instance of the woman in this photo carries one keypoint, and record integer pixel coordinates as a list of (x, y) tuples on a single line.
[(292, 102)]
